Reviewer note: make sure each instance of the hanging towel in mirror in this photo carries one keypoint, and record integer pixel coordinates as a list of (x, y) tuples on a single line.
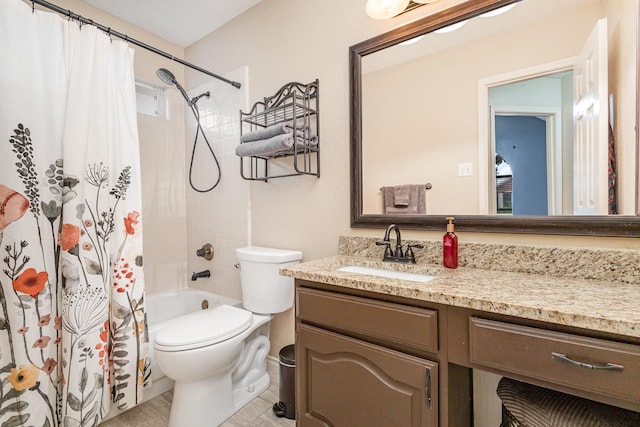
[(401, 196), (417, 201)]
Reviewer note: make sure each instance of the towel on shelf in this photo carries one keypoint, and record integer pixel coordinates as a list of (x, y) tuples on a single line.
[(273, 130), (417, 200), (278, 144), (401, 196)]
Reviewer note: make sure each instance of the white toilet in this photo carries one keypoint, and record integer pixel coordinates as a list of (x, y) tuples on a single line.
[(217, 356)]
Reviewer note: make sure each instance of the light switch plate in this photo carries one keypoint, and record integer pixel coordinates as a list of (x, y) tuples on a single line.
[(465, 169)]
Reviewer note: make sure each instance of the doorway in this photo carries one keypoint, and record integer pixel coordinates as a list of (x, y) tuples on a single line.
[(545, 94), (521, 143)]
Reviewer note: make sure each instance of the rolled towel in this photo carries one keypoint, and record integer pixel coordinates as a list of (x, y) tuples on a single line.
[(278, 144), (271, 131)]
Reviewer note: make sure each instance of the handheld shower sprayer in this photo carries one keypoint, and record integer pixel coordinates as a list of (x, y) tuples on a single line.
[(169, 78)]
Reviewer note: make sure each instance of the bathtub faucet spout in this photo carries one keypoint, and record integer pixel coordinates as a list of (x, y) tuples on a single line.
[(201, 274)]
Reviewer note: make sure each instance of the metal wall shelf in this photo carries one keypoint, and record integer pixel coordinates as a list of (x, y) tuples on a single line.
[(297, 105)]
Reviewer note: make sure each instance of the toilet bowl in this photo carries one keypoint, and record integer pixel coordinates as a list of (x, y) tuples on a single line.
[(217, 357)]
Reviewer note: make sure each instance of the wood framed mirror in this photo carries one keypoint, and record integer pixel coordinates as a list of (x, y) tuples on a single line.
[(378, 128)]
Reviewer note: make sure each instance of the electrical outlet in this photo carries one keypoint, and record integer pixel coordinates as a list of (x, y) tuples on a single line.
[(465, 169)]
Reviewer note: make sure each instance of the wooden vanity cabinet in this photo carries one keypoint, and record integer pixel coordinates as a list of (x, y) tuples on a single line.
[(354, 364), (371, 359)]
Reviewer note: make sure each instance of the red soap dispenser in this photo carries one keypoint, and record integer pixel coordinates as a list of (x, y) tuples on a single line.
[(450, 246)]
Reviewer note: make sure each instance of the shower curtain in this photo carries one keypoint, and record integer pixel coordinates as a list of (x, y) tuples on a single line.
[(72, 324)]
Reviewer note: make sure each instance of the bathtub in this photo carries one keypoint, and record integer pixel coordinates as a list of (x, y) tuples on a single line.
[(161, 310)]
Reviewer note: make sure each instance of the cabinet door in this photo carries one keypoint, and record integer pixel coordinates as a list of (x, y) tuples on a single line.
[(345, 382)]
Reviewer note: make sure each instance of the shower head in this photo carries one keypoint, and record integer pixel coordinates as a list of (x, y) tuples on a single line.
[(168, 77)]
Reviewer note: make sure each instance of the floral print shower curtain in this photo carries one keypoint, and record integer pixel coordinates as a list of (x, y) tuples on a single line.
[(72, 321)]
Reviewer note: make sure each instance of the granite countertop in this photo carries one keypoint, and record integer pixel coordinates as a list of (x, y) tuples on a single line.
[(591, 304)]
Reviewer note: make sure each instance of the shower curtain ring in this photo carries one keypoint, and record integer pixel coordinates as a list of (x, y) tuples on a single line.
[(33, 7)]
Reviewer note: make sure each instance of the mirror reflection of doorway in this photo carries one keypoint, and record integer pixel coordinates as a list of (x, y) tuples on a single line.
[(548, 101), (522, 140)]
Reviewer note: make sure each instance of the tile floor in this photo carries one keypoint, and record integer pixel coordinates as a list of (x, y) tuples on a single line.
[(257, 413)]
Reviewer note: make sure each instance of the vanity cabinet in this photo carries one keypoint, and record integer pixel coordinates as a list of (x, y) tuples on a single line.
[(370, 358), (353, 365)]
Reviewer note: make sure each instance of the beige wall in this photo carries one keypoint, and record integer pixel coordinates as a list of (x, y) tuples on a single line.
[(292, 40)]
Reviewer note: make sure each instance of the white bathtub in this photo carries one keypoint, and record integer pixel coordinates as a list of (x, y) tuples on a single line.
[(161, 310)]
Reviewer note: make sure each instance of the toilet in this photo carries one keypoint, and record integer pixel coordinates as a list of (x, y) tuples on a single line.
[(217, 357)]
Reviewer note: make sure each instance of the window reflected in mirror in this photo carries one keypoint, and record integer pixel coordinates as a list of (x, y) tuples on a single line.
[(504, 186)]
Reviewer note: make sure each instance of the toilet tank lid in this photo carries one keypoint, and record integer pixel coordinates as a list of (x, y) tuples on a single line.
[(269, 255)]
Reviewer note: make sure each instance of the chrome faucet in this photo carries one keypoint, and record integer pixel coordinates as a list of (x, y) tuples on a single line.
[(398, 255)]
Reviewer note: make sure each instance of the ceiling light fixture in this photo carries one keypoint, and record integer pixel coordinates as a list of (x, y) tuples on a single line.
[(450, 28), (385, 9), (411, 41), (498, 11)]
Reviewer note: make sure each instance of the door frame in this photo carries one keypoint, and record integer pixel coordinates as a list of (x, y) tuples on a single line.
[(486, 136)]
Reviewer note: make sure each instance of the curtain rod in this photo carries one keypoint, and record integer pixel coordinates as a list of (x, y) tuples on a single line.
[(128, 39)]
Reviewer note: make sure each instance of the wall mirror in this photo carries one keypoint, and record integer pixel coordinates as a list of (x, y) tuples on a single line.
[(517, 121)]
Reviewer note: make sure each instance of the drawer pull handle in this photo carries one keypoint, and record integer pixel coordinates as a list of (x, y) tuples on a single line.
[(607, 366)]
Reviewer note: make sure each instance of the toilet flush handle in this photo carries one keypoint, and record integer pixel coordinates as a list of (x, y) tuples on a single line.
[(237, 265)]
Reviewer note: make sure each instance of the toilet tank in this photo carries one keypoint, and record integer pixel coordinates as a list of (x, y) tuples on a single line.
[(264, 290)]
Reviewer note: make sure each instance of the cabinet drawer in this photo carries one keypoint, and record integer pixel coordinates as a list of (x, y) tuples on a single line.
[(395, 323), (589, 364)]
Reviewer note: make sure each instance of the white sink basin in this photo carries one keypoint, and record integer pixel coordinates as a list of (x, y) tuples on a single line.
[(424, 278)]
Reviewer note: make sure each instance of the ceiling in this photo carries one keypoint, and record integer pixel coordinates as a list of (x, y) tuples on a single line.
[(182, 22)]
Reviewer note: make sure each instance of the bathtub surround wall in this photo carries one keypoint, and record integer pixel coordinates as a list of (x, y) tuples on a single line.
[(163, 196), (219, 216)]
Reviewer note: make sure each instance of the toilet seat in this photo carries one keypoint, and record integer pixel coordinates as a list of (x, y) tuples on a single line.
[(204, 328)]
